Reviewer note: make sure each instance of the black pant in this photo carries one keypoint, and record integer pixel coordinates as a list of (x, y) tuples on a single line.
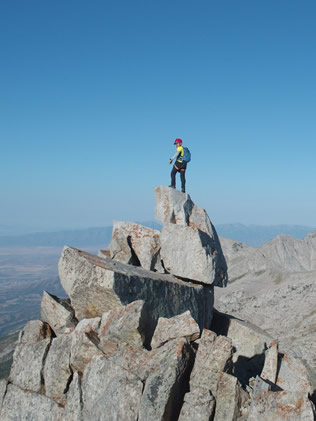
[(178, 167)]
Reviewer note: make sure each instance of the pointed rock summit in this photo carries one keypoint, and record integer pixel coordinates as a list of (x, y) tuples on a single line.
[(187, 246), (190, 247)]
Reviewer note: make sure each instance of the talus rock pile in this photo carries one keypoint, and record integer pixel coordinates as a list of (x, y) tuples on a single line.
[(138, 339), (101, 370)]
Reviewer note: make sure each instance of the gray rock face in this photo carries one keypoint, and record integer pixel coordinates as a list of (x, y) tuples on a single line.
[(172, 206), (124, 324), (161, 397), (228, 398), (34, 331), (110, 392), (213, 357), (198, 405), (82, 348), (57, 369), (21, 404), (3, 389), (73, 408), (27, 372), (270, 368), (200, 261), (135, 244), (96, 285), (57, 313), (182, 326), (186, 224), (293, 376), (247, 339), (281, 406)]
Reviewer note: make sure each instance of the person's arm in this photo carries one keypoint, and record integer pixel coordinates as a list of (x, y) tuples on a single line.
[(175, 156)]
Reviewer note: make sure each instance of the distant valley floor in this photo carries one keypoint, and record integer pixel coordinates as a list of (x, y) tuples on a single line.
[(25, 272)]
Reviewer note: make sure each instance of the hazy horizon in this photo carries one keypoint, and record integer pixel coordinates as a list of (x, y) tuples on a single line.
[(8, 230)]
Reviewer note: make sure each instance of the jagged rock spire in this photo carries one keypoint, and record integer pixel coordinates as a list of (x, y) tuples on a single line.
[(190, 247)]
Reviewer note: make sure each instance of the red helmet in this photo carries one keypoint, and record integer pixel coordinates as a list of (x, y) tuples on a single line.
[(178, 142)]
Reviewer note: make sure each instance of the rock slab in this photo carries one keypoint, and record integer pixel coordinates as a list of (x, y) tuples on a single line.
[(96, 285)]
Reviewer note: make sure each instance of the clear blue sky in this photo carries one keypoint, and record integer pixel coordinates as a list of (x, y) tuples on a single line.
[(93, 94)]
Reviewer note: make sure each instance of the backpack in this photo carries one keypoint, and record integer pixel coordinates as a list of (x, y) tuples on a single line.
[(186, 155)]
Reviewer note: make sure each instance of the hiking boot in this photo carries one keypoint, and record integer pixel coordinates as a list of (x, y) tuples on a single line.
[(183, 190), (173, 187)]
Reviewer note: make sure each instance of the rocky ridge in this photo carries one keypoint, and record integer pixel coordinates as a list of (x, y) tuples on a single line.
[(283, 254), (274, 286), (139, 339)]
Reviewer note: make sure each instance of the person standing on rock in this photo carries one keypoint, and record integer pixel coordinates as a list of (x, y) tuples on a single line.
[(182, 157)]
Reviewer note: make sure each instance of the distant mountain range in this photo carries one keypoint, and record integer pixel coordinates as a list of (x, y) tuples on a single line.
[(253, 235), (257, 235), (88, 237)]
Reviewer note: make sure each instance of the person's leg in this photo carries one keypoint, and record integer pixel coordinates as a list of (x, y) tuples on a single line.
[(173, 177), (182, 175)]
